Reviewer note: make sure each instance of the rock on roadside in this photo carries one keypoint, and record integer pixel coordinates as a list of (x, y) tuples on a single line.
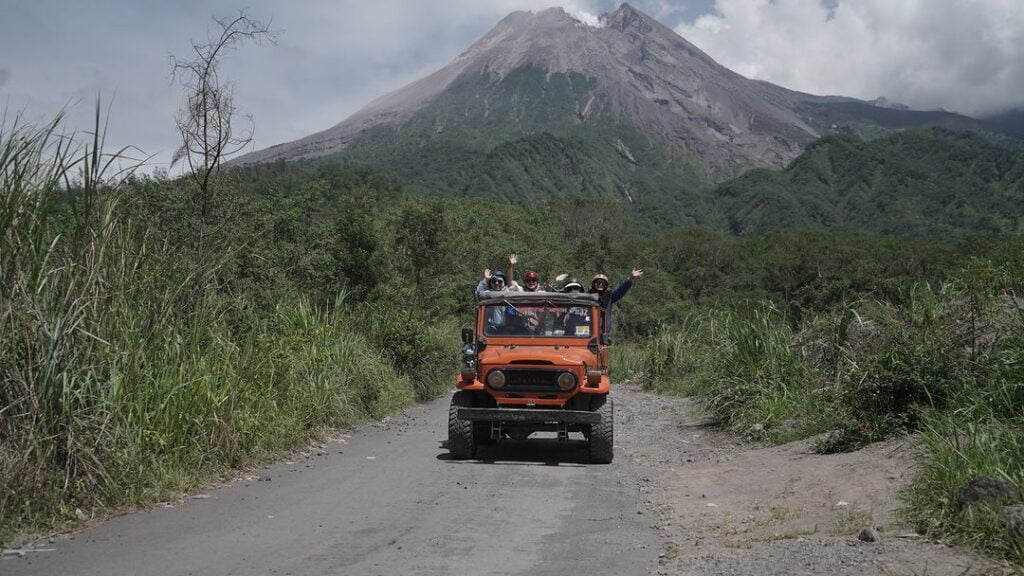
[(868, 534), (1012, 517), (985, 490)]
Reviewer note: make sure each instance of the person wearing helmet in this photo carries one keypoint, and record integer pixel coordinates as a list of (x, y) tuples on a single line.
[(572, 285), (531, 281), (495, 281), (577, 321), (531, 315), (599, 286)]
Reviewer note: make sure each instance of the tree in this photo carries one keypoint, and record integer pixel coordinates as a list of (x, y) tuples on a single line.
[(420, 238), (356, 245), (205, 120)]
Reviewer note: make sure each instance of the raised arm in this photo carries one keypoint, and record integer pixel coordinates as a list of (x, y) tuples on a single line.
[(482, 285), (512, 261), (624, 287)]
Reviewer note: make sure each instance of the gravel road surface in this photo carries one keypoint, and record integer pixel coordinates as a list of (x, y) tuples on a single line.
[(680, 498)]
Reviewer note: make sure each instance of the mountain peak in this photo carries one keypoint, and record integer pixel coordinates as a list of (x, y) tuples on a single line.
[(626, 67), (627, 17), (523, 21), (568, 74)]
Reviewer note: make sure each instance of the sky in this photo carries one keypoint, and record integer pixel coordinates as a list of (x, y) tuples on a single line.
[(333, 57)]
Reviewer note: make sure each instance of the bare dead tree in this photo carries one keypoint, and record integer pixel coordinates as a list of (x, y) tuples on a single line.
[(205, 120)]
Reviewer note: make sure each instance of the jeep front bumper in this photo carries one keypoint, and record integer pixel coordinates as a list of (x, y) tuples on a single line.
[(529, 415)]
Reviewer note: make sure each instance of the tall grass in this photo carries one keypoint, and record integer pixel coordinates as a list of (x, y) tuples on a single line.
[(114, 389), (981, 434), (761, 386), (673, 359), (742, 365), (945, 363)]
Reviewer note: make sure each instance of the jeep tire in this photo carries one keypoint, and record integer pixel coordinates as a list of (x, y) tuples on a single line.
[(461, 433), (482, 429), (602, 434)]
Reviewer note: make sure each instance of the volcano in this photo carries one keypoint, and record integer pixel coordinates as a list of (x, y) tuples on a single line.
[(544, 100)]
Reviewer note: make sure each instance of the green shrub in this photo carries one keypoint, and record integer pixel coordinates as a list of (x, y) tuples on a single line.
[(760, 384), (424, 351), (980, 434), (126, 377)]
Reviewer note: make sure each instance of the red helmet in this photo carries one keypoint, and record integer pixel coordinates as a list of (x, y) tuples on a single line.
[(532, 276)]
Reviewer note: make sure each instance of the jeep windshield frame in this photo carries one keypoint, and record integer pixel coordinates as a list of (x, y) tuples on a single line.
[(557, 317)]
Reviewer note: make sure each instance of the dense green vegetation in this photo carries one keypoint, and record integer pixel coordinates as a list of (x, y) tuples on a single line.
[(942, 360), (133, 369), (925, 184), (130, 372)]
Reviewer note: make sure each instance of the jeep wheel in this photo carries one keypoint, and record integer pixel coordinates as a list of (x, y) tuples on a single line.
[(461, 437), (602, 434), (482, 429)]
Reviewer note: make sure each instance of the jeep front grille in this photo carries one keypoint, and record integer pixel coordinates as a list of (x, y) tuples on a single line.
[(531, 380)]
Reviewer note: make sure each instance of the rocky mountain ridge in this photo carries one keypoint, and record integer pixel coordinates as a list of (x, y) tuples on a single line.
[(630, 71)]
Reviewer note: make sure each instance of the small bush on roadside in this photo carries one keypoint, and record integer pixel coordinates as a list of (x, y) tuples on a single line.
[(424, 351), (760, 385), (981, 434)]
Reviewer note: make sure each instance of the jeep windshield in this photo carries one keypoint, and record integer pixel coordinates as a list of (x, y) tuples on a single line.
[(529, 319)]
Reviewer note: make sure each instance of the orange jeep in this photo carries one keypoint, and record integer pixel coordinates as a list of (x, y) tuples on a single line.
[(535, 362)]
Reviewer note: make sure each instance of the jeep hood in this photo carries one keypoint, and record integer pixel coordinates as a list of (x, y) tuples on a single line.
[(538, 355)]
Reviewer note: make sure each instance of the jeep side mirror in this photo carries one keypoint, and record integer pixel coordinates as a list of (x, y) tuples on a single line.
[(606, 339), (468, 336)]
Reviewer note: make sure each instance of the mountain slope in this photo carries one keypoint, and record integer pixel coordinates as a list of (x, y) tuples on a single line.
[(550, 72), (923, 183), (1010, 122)]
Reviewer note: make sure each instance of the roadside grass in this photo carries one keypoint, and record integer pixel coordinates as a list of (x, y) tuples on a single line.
[(741, 365), (124, 380), (673, 359), (952, 453), (850, 520), (944, 363), (981, 435)]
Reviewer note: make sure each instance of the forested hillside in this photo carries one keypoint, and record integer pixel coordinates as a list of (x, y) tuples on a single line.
[(920, 183), (916, 183)]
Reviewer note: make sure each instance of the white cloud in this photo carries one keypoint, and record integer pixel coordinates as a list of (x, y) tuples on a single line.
[(959, 55), (332, 58)]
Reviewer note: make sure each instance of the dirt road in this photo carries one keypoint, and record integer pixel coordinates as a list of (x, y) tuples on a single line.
[(680, 498)]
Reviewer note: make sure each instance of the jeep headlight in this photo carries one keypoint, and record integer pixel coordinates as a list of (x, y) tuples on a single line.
[(496, 379), (566, 380)]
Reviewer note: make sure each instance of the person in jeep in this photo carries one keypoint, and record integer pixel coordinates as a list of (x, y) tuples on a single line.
[(495, 281), (531, 281), (599, 286), (577, 321)]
